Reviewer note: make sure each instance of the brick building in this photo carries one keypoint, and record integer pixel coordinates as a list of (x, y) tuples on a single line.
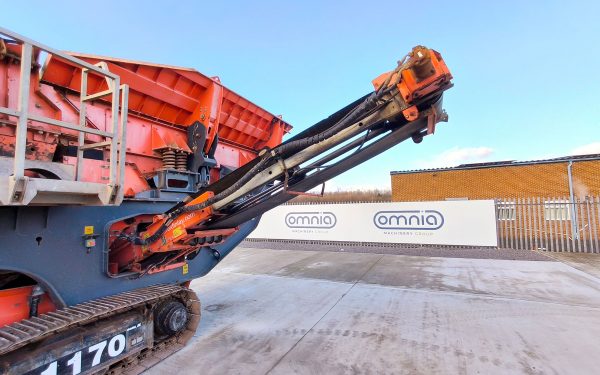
[(551, 204), (506, 179)]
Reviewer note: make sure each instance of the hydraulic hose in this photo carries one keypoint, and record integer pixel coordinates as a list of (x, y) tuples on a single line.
[(368, 105)]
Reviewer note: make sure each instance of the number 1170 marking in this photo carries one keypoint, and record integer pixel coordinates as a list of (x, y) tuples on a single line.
[(87, 358)]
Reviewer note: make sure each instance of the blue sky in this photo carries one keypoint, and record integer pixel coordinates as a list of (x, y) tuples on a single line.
[(526, 73)]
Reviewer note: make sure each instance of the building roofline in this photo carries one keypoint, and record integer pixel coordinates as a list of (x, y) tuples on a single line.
[(506, 163)]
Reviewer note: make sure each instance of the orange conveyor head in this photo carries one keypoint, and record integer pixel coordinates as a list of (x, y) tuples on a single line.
[(420, 73)]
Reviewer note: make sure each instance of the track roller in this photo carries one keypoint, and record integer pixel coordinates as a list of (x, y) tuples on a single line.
[(170, 317)]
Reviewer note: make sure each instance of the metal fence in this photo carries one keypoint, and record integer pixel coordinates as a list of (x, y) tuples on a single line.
[(549, 224)]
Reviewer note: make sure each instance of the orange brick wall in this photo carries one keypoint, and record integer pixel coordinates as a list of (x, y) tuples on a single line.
[(518, 181)]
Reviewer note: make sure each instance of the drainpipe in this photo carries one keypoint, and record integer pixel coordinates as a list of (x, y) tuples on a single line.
[(574, 226)]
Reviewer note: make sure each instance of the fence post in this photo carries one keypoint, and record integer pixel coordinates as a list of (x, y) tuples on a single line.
[(512, 224), (596, 211), (536, 231), (562, 226), (520, 225), (497, 212), (574, 229), (594, 224), (545, 224), (530, 243), (583, 211)]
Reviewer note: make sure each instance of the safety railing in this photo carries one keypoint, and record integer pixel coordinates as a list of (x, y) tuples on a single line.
[(113, 136)]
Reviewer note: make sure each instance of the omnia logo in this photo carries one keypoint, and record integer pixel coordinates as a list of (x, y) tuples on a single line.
[(314, 220), (409, 220)]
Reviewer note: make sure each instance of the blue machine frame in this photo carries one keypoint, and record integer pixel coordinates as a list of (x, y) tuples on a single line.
[(73, 274)]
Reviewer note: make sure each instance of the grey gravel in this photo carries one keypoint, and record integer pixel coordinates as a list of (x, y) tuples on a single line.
[(428, 251)]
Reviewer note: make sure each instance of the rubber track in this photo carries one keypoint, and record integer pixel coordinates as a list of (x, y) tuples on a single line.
[(24, 332)]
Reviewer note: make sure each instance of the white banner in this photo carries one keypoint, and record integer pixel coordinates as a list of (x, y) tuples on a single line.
[(469, 223)]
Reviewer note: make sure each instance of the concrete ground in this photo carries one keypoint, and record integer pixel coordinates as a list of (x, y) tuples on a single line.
[(309, 312), (398, 249), (589, 263)]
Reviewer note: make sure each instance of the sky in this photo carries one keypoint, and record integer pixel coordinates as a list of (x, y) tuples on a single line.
[(526, 73)]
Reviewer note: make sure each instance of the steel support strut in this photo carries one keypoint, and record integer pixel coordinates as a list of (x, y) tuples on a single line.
[(394, 137)]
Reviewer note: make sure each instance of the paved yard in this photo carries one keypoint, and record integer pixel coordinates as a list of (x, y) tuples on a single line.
[(309, 312), (589, 263)]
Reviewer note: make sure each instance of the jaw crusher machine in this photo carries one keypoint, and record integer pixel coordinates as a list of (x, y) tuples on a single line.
[(121, 181)]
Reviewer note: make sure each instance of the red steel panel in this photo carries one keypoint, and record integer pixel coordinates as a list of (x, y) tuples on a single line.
[(163, 101), (176, 95)]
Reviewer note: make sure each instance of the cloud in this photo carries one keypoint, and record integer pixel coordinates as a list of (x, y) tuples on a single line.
[(456, 156), (590, 148)]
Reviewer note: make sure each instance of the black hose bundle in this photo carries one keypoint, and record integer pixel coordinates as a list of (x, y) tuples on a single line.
[(361, 110)]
